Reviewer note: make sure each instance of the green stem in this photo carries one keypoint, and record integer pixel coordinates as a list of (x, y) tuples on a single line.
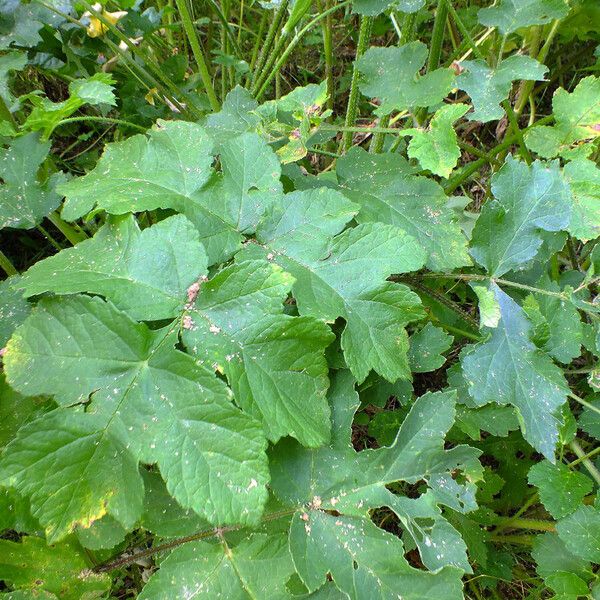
[(101, 120), (458, 331), (579, 460), (437, 35), (294, 42), (364, 34), (192, 37), (6, 265), (328, 51), (584, 403), (67, 230), (47, 235), (520, 540), (587, 463), (270, 39), (533, 524)]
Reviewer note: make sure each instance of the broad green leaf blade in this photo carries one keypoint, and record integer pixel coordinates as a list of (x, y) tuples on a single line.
[(489, 311), (144, 273), (22, 22), (338, 478), (436, 148), (583, 177), (489, 87), (376, 7), (527, 200), (510, 15), (329, 274), (157, 402), (580, 532), (415, 204), (364, 561), (561, 489), (161, 170), (497, 420), (274, 363), (237, 116), (24, 202), (14, 309), (62, 569), (426, 348), (73, 472), (14, 411), (577, 117), (256, 568), (391, 74), (509, 369)]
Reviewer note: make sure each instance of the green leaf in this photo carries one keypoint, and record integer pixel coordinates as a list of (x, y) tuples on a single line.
[(22, 22), (46, 115), (391, 74), (329, 273), (237, 116), (144, 273), (161, 170), (497, 420), (561, 489), (583, 177), (337, 478), (426, 348), (589, 420), (415, 204), (509, 369), (510, 15), (560, 321), (61, 569), (527, 200), (274, 363), (577, 116), (376, 7), (14, 411), (14, 309), (489, 87), (436, 148), (149, 402), (24, 201), (364, 561), (256, 568), (11, 61), (489, 310), (580, 532)]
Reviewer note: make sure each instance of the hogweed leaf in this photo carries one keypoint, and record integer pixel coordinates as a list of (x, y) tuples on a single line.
[(417, 205), (509, 369), (391, 74), (62, 569), (24, 201), (489, 87), (577, 120), (426, 348), (258, 567), (527, 201), (274, 363), (150, 403), (583, 177), (436, 149), (510, 15), (329, 276), (144, 273), (580, 532)]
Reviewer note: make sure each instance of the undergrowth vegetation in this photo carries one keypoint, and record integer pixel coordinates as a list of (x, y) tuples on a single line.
[(300, 299)]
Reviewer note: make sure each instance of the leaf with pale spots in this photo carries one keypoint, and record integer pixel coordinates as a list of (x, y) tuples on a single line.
[(489, 87), (528, 200), (338, 478), (274, 363), (149, 403), (508, 369), (388, 193), (577, 120), (583, 177), (427, 347), (257, 567), (144, 273), (14, 309), (329, 275), (392, 75), (24, 200), (63, 570), (510, 15)]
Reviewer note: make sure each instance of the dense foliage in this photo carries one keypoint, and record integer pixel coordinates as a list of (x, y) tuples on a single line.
[(300, 299)]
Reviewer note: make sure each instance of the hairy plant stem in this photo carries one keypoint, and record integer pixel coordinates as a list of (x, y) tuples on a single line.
[(192, 37), (364, 34), (66, 229), (294, 42), (585, 403), (437, 35), (327, 27), (6, 265), (533, 524), (587, 463), (266, 47), (101, 120), (126, 559)]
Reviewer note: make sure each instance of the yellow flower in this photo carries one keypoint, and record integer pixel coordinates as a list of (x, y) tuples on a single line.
[(96, 27)]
